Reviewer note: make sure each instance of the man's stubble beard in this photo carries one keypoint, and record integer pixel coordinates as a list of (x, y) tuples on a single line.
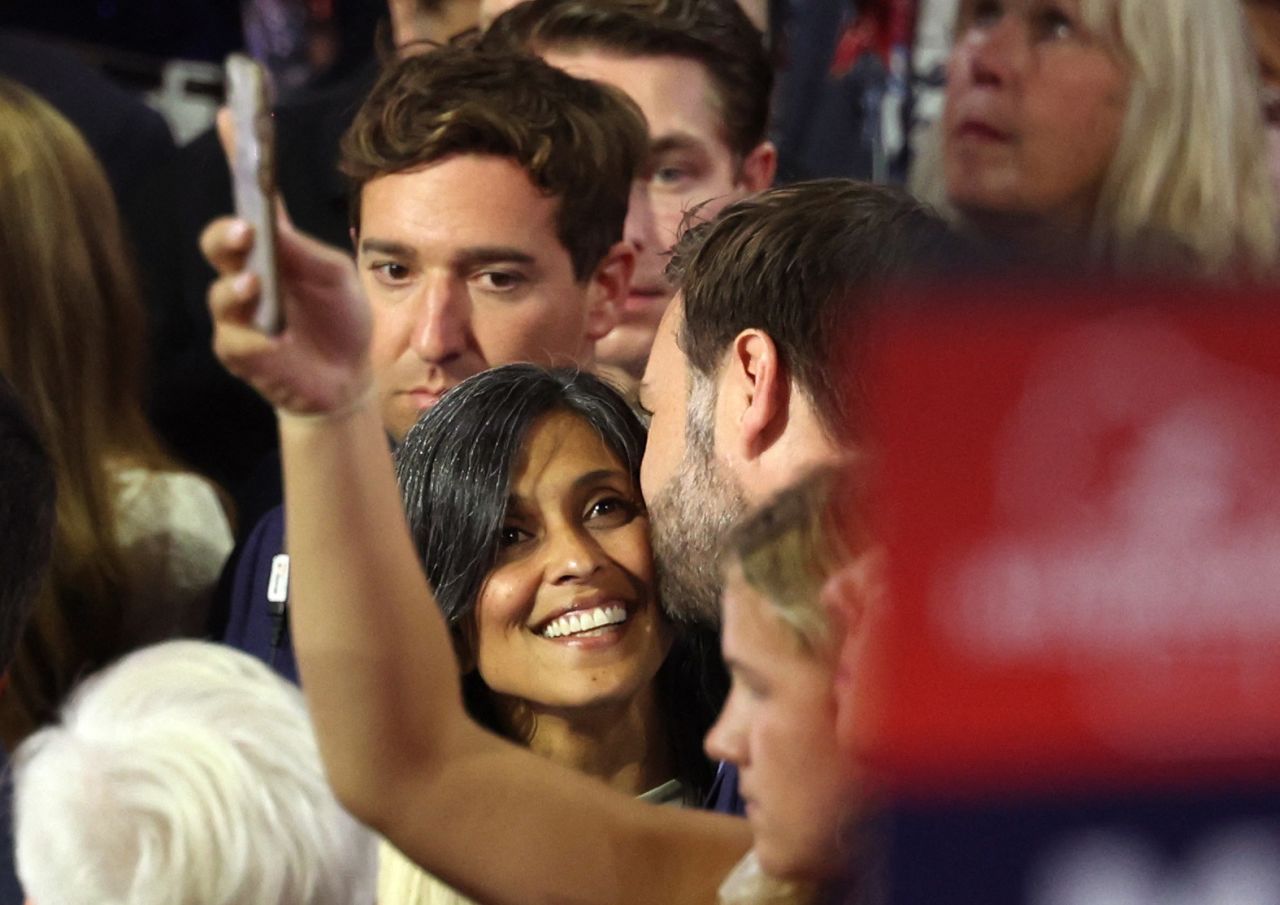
[(690, 519)]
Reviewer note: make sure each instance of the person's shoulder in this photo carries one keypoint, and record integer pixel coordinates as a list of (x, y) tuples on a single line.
[(149, 500)]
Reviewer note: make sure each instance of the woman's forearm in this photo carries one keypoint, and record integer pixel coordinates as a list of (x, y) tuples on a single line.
[(381, 679)]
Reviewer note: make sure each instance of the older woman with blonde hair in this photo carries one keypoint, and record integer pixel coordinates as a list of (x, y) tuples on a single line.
[(138, 543), (1130, 127)]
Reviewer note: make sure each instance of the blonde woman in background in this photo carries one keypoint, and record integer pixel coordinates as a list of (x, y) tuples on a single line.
[(1129, 127), (139, 543)]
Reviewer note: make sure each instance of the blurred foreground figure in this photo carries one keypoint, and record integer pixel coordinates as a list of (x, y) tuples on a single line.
[(187, 772), (1129, 128)]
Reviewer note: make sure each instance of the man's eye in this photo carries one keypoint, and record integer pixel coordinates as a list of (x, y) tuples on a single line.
[(390, 271), (670, 175), (499, 280)]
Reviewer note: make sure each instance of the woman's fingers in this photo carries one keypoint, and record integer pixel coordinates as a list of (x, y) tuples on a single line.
[(232, 298), (225, 244)]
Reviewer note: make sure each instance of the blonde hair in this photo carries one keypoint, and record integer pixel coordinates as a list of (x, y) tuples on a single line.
[(1192, 159), (72, 343), (788, 548), (1189, 175)]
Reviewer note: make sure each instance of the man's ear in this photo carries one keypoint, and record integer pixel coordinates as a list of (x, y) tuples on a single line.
[(355, 240), (752, 381), (759, 167), (608, 288)]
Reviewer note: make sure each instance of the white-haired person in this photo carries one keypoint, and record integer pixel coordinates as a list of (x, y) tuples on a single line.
[(185, 772), (1129, 128)]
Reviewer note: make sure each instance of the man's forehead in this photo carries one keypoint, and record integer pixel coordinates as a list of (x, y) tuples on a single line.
[(676, 93), (478, 201)]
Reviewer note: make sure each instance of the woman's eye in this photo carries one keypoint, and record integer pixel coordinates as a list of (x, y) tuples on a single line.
[(510, 536), (984, 12), (1054, 24), (611, 511)]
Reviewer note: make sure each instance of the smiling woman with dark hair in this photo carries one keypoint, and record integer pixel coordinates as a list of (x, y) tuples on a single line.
[(521, 488)]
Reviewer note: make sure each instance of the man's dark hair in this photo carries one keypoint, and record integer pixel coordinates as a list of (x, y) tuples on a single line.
[(27, 501), (579, 141), (455, 469), (802, 263), (715, 33)]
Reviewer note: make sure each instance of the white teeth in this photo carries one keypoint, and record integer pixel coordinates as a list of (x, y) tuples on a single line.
[(585, 621)]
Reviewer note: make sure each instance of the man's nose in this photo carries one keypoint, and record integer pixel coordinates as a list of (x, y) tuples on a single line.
[(640, 227), (442, 319)]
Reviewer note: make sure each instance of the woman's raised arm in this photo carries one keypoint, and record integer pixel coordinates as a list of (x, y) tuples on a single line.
[(378, 667)]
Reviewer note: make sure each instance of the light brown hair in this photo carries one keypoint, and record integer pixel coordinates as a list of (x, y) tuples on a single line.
[(72, 344)]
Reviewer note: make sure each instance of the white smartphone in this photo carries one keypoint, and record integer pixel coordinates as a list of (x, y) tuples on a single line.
[(253, 179)]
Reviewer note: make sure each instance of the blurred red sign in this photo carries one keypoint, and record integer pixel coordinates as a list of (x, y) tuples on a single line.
[(1080, 496)]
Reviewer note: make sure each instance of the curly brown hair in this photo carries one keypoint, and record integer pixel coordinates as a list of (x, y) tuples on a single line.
[(579, 141)]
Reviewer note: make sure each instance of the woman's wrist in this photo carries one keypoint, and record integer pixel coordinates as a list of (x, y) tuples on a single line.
[(359, 400)]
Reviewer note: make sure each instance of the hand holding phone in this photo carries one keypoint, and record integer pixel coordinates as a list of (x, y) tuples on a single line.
[(253, 179)]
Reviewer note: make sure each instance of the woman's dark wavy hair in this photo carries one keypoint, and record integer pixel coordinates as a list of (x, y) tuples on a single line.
[(455, 469)]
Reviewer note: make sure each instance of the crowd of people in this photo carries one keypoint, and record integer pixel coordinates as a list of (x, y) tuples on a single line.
[(568, 543)]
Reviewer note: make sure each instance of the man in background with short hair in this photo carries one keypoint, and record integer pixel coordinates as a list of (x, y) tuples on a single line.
[(752, 381), (699, 71)]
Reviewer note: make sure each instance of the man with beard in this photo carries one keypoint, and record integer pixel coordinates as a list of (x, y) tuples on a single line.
[(747, 386), (749, 383)]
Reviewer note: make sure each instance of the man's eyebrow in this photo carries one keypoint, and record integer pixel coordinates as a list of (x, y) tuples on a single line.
[(491, 254), (675, 141), (387, 247)]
